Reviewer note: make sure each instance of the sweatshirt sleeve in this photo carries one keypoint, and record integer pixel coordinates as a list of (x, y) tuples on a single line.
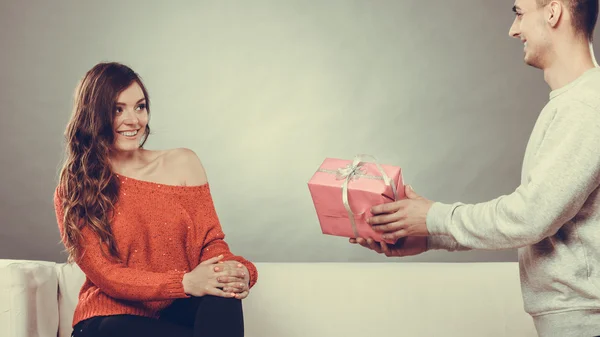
[(213, 244), (444, 242), (563, 173), (116, 279)]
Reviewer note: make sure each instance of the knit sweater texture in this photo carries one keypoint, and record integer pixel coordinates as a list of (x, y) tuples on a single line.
[(161, 232)]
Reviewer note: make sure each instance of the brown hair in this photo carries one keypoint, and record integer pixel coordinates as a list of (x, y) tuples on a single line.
[(88, 187), (584, 13)]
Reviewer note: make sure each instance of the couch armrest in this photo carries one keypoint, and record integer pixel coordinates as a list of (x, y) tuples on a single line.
[(70, 280), (28, 298)]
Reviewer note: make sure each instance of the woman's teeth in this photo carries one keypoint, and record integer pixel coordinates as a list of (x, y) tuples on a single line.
[(129, 133)]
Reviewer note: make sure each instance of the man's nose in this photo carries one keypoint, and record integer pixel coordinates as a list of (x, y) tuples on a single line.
[(514, 30)]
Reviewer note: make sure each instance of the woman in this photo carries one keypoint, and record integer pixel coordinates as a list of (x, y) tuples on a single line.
[(141, 224)]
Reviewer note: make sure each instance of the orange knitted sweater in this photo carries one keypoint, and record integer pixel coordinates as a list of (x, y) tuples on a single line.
[(161, 232)]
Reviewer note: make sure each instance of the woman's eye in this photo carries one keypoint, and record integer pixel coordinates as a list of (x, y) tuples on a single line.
[(142, 106), (119, 110)]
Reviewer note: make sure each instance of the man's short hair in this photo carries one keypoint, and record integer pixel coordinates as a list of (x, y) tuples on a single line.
[(584, 13)]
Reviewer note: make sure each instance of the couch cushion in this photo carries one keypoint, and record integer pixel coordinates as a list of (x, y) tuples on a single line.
[(387, 299), (28, 305), (70, 280), (368, 299)]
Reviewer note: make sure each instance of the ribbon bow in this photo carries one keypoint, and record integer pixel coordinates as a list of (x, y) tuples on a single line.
[(351, 171), (354, 171)]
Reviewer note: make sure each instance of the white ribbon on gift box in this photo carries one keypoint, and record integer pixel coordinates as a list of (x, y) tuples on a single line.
[(355, 170)]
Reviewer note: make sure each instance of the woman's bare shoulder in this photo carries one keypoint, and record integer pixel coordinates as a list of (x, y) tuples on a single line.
[(186, 164)]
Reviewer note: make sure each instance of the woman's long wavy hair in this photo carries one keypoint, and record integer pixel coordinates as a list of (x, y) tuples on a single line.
[(88, 187)]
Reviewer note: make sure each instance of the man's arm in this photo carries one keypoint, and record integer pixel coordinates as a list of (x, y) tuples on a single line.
[(563, 173), (444, 242)]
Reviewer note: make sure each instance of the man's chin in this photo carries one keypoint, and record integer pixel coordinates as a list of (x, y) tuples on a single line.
[(532, 63)]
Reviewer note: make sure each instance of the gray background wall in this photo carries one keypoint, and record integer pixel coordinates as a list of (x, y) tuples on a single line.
[(263, 91)]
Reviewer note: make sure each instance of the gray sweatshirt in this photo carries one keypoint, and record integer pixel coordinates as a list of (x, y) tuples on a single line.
[(553, 217)]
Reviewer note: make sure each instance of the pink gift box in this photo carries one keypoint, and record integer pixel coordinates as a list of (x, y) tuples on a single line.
[(356, 184)]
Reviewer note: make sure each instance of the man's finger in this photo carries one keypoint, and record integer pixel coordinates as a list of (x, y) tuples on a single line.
[(399, 234), (389, 227), (374, 245), (410, 193), (363, 242), (389, 207), (401, 251), (385, 219), (385, 249)]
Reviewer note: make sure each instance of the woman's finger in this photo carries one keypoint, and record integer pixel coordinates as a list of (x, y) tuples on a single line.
[(230, 270), (212, 260), (230, 279), (218, 292), (242, 295), (239, 286), (234, 290)]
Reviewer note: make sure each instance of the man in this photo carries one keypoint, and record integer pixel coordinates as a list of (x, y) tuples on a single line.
[(553, 217)]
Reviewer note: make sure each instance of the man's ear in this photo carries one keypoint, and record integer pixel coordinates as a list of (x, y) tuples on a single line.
[(554, 12)]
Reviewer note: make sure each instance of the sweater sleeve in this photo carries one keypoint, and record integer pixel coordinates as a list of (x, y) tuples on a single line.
[(116, 279), (444, 242), (563, 173), (214, 242)]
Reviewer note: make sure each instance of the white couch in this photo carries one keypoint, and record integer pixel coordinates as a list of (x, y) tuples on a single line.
[(37, 298)]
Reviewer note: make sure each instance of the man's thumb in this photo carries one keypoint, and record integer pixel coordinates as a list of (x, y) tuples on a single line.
[(410, 193)]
